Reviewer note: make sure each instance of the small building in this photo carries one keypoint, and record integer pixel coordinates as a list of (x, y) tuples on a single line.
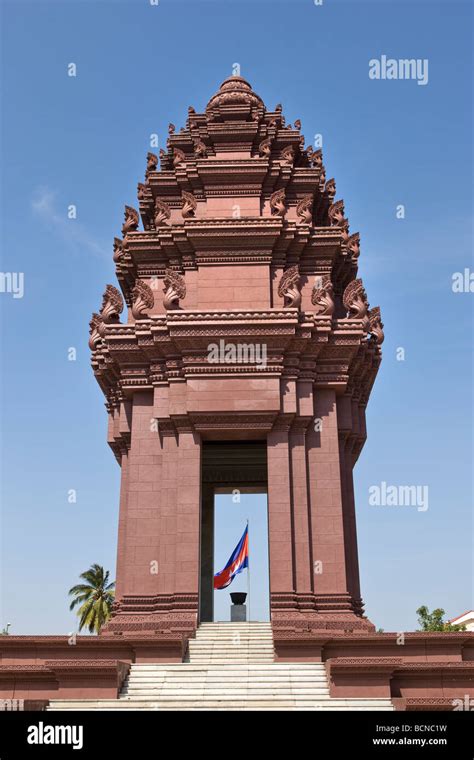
[(467, 619)]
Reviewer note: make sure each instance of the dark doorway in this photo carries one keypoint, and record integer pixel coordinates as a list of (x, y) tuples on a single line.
[(234, 483)]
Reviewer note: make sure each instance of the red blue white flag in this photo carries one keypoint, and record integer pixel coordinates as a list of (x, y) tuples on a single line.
[(239, 560)]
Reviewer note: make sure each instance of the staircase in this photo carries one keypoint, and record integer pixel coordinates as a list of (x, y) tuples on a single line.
[(229, 666)]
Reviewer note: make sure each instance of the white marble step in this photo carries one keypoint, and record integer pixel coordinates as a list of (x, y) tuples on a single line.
[(241, 705)]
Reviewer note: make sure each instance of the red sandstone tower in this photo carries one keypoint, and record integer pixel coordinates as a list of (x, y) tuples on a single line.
[(243, 248)]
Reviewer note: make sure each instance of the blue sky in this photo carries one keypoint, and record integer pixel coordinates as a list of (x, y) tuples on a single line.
[(83, 141)]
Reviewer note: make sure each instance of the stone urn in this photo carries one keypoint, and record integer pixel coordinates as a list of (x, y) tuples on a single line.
[(238, 597)]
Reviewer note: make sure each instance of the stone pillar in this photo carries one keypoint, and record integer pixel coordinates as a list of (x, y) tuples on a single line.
[(188, 511), (300, 512), (206, 592), (330, 580), (280, 533), (168, 516), (139, 523)]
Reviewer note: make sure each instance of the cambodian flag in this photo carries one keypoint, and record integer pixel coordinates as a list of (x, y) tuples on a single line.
[(239, 560)]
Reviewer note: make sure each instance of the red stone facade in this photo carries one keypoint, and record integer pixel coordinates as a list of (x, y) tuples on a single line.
[(244, 243), (246, 252)]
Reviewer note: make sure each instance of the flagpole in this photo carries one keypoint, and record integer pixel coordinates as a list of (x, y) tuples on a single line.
[(248, 565)]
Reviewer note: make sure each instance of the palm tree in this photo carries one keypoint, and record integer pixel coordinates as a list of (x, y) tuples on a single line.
[(96, 597)]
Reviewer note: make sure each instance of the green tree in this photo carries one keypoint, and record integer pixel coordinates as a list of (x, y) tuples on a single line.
[(95, 598), (433, 621)]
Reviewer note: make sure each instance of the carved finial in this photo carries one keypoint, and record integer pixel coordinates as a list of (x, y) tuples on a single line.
[(278, 107), (163, 154), (142, 299), (288, 154), (94, 335), (179, 157), (112, 307), (336, 213), (277, 203), (288, 287), (171, 129), (353, 245), (118, 249), (304, 209), (141, 191), (131, 220), (297, 124), (191, 110), (162, 212), (200, 149), (265, 148), (330, 189), (174, 290), (355, 301), (376, 325), (322, 179), (322, 296), (151, 163), (317, 158), (189, 205)]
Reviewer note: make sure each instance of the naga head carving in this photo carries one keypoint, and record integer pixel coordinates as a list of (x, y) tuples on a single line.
[(174, 290), (171, 129), (304, 209), (94, 335), (179, 157), (142, 299), (330, 189), (151, 162), (322, 296), (200, 149), (118, 249), (376, 325), (288, 154), (289, 287), (336, 214), (141, 191), (131, 220), (112, 307), (277, 203), (317, 158), (355, 301), (265, 148), (189, 205), (353, 245), (162, 212), (298, 124)]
